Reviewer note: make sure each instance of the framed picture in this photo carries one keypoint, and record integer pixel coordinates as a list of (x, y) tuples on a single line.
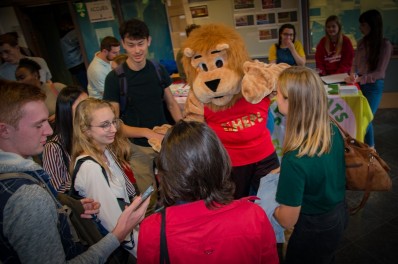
[(286, 17), (263, 19), (267, 4), (199, 11), (244, 20), (243, 4), (267, 34)]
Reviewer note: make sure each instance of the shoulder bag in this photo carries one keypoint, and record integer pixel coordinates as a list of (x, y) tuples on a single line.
[(365, 170)]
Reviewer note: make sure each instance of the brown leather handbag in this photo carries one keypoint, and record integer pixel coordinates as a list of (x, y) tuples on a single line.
[(365, 170)]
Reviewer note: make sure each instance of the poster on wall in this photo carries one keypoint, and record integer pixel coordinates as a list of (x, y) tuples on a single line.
[(286, 17), (199, 11), (263, 19), (243, 4), (267, 34), (267, 4), (100, 11), (244, 20)]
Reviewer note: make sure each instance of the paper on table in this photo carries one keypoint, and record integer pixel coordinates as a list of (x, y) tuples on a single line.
[(334, 78), (348, 90)]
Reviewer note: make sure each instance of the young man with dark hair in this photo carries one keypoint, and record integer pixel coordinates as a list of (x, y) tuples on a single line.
[(145, 95), (10, 53), (31, 229), (100, 66)]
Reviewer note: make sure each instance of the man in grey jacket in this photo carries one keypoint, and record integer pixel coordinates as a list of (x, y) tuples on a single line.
[(29, 225)]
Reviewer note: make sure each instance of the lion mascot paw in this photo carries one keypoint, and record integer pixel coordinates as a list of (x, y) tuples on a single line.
[(259, 79)]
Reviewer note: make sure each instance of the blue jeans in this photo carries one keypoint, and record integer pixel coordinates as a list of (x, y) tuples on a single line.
[(373, 93), (315, 237), (267, 192)]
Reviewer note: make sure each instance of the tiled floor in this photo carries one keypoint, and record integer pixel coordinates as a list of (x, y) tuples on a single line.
[(372, 234)]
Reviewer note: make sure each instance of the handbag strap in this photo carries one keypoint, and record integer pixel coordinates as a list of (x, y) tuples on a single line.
[(366, 194), (344, 133), (164, 253)]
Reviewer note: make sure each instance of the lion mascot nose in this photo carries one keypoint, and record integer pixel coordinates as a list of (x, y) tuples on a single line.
[(213, 84)]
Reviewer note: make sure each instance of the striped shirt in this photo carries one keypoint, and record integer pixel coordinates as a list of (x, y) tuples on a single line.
[(55, 166)]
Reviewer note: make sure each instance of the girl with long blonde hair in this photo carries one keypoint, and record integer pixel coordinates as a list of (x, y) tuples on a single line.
[(334, 52), (311, 188), (99, 153)]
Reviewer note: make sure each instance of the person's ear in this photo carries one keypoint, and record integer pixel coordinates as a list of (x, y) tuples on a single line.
[(5, 131), (87, 133), (149, 41)]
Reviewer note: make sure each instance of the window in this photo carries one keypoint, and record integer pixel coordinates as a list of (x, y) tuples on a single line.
[(315, 13)]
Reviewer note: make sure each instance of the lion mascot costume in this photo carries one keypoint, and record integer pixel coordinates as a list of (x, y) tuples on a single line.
[(230, 92)]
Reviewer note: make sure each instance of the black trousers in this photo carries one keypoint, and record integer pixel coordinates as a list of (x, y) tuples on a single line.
[(247, 178), (315, 237)]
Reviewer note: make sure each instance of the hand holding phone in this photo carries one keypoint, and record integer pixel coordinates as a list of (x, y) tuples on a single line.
[(145, 195)]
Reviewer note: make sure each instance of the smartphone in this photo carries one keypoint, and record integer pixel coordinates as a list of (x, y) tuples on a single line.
[(146, 195)]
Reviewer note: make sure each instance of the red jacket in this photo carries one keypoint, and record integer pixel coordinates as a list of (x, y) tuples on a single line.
[(329, 63), (236, 233)]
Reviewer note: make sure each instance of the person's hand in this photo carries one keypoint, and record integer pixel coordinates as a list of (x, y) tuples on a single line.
[(130, 218), (274, 171), (152, 134), (90, 207), (289, 44), (155, 135), (352, 78)]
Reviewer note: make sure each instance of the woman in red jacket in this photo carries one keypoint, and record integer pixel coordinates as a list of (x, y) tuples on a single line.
[(334, 53), (203, 222)]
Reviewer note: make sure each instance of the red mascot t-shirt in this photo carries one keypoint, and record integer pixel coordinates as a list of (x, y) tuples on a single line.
[(242, 130)]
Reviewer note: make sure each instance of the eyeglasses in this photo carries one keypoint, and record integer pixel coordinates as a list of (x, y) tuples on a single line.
[(106, 126), (288, 34)]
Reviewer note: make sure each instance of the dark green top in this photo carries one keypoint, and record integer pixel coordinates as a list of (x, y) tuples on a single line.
[(144, 107), (315, 183)]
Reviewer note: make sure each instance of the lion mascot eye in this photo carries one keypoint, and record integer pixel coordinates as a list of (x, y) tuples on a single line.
[(219, 62)]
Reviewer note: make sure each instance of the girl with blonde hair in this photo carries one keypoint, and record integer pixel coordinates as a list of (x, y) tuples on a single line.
[(99, 153), (334, 52), (311, 188)]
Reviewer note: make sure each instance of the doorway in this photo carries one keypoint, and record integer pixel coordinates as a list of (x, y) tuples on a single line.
[(43, 24)]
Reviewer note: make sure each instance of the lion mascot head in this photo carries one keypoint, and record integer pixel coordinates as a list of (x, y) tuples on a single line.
[(213, 62)]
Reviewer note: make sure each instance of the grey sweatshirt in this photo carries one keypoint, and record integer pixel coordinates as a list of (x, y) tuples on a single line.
[(30, 222)]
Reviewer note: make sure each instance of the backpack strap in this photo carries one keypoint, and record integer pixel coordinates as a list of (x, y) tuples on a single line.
[(159, 73), (123, 83), (72, 191), (18, 175), (164, 252)]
